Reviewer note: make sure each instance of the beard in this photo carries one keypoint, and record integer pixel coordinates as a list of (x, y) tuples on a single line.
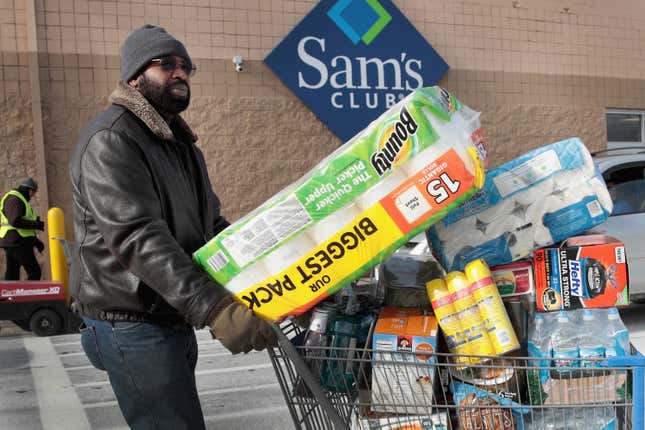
[(162, 97)]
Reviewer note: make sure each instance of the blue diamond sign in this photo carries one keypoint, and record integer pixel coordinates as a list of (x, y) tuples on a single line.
[(350, 60)]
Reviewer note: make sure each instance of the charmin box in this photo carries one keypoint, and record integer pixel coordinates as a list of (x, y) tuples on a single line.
[(403, 336), (407, 170), (586, 272)]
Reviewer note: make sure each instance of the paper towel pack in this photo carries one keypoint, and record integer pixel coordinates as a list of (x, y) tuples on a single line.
[(406, 170), (542, 197)]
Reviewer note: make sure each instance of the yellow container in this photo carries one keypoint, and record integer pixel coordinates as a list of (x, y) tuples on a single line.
[(468, 314), (491, 307), (444, 310)]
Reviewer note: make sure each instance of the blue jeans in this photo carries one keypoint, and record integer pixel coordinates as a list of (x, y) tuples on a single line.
[(151, 369)]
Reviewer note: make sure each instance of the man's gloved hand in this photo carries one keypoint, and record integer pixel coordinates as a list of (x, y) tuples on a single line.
[(39, 225), (40, 246), (240, 330)]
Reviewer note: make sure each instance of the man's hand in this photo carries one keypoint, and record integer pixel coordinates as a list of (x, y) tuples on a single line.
[(240, 330), (39, 225), (40, 246)]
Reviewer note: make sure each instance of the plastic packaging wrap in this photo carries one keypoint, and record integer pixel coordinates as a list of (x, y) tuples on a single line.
[(538, 199), (404, 172), (404, 276)]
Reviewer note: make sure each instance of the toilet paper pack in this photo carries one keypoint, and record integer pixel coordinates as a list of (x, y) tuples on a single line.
[(406, 170), (540, 198)]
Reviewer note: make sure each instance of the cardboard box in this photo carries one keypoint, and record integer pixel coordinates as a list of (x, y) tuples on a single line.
[(586, 272), (436, 421), (403, 339)]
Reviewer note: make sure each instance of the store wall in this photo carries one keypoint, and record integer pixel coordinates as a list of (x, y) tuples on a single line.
[(538, 71)]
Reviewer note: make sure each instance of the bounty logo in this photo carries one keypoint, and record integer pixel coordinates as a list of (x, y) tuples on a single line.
[(360, 19), (351, 60)]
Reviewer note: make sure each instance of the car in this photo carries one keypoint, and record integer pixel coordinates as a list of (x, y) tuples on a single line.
[(624, 172)]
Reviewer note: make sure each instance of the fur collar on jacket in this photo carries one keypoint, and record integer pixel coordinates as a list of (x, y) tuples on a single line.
[(131, 99)]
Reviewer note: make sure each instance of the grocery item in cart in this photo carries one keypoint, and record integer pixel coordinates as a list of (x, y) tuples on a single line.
[(517, 288), (568, 347), (540, 198), (598, 418), (477, 411), (403, 278), (385, 421), (405, 171), (402, 338), (469, 314), (448, 319), (489, 301), (590, 274), (317, 336), (515, 279), (472, 314)]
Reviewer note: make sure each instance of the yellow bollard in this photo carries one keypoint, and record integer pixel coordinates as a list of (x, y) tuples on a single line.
[(57, 260)]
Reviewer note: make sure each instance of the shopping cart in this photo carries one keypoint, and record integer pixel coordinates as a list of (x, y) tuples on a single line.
[(361, 388)]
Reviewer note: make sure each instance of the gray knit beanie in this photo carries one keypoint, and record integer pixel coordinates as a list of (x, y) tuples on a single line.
[(145, 44)]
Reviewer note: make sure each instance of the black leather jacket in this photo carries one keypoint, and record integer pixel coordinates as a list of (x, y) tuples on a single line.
[(142, 204)]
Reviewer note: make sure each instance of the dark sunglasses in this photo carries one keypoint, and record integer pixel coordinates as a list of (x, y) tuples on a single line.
[(168, 65)]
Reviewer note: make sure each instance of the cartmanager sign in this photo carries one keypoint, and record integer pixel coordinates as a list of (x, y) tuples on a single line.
[(350, 60)]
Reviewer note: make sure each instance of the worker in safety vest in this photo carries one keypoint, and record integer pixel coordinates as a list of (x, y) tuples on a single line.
[(18, 225)]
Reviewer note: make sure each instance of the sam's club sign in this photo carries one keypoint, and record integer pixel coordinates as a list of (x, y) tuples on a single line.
[(350, 60)]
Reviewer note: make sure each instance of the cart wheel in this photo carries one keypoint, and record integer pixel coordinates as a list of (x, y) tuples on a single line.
[(45, 322)]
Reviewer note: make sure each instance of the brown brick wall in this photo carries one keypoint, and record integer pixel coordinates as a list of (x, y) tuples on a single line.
[(538, 71)]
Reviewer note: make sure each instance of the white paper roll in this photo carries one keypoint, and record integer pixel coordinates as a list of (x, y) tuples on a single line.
[(577, 193), (473, 238), (455, 135), (463, 232), (501, 209), (566, 179), (249, 276), (535, 192), (600, 189), (290, 252), (541, 234), (521, 244), (554, 203), (532, 213), (589, 168), (324, 229), (506, 224), (457, 228), (382, 189), (425, 158)]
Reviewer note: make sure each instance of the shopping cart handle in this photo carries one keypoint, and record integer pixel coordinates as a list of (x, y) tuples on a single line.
[(636, 360)]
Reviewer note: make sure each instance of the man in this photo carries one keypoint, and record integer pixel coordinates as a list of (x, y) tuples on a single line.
[(18, 225), (142, 204)]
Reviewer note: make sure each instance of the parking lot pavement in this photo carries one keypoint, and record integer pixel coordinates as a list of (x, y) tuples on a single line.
[(48, 383)]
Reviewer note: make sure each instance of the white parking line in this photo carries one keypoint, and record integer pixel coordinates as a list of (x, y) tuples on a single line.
[(77, 342), (58, 404), (198, 373), (256, 387), (246, 413), (236, 415)]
